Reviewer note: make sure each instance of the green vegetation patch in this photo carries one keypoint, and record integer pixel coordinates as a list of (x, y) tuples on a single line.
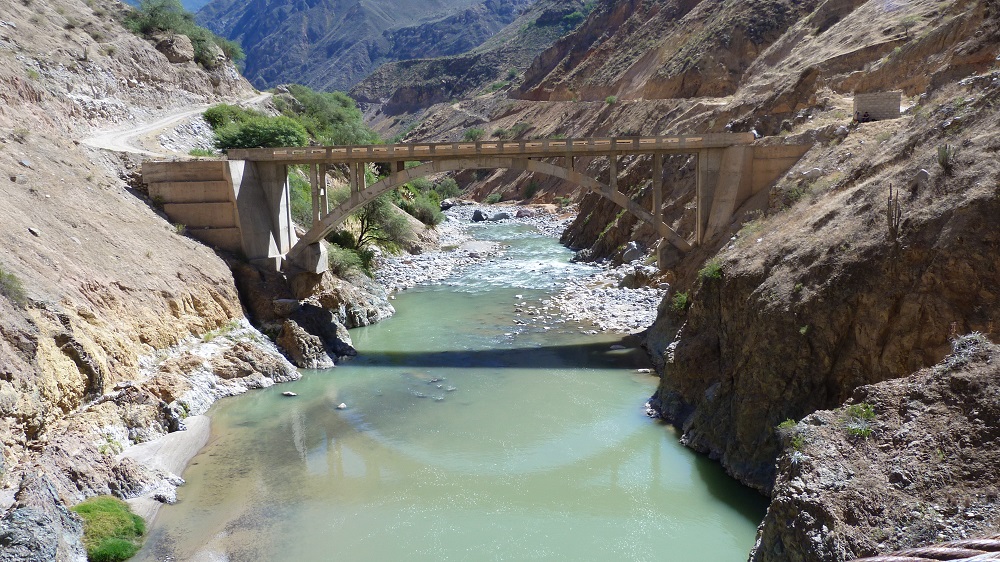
[(858, 419), (11, 288), (712, 269), (329, 117), (169, 16), (474, 134), (111, 532), (680, 301), (262, 132)]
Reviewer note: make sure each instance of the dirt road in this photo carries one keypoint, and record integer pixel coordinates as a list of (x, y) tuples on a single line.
[(129, 138)]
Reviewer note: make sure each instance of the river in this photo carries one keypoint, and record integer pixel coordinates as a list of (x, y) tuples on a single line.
[(474, 430)]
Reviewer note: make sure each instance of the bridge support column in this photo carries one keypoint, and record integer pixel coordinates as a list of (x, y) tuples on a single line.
[(357, 180), (317, 180), (613, 172), (262, 202), (658, 187)]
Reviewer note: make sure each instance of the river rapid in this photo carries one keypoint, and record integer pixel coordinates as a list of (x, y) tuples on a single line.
[(479, 425)]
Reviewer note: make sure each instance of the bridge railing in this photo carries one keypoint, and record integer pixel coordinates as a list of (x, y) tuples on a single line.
[(524, 148)]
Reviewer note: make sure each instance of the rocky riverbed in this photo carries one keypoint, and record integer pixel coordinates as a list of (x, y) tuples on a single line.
[(620, 298)]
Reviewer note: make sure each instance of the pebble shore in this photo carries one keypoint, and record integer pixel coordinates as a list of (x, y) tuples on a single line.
[(598, 300)]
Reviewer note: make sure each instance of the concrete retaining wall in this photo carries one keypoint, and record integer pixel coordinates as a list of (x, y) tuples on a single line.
[(878, 105), (199, 195)]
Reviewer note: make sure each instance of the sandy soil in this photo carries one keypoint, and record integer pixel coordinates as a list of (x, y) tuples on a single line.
[(170, 453)]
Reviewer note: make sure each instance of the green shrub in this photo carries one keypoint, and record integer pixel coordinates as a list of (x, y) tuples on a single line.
[(10, 287), (421, 185), (201, 152), (787, 424), (159, 16), (492, 198), (611, 100), (712, 269), (680, 301), (329, 117), (448, 188), (343, 261), (473, 135), (300, 195), (573, 19), (111, 532), (261, 132), (531, 189), (946, 154), (223, 114), (425, 207), (858, 419), (519, 129)]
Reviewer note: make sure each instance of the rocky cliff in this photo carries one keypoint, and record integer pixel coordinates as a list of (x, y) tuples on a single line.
[(333, 44), (114, 327), (909, 461)]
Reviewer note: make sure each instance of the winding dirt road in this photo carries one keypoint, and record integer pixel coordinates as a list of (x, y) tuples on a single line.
[(127, 138)]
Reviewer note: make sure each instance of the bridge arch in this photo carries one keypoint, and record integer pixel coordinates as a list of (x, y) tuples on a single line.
[(364, 195)]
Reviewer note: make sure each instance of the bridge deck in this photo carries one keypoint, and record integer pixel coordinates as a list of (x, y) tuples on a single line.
[(540, 148)]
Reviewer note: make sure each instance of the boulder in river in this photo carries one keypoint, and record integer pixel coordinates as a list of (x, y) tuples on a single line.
[(447, 204), (633, 251), (525, 213), (500, 217), (302, 348), (479, 216)]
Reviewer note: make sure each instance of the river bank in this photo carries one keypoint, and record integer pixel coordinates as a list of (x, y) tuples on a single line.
[(619, 299)]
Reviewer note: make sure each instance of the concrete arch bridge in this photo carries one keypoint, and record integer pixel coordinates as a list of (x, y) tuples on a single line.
[(242, 204)]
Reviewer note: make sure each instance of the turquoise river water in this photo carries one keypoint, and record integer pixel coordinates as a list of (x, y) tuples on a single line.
[(467, 436)]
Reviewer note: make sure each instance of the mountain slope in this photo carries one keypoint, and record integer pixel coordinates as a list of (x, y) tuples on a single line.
[(406, 87), (333, 44)]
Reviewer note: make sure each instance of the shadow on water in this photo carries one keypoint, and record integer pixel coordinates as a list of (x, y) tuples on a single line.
[(589, 356), (729, 491)]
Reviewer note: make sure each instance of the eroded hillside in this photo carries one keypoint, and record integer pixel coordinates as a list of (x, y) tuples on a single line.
[(95, 282)]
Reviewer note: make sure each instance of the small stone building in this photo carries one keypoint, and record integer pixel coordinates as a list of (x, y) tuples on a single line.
[(878, 105)]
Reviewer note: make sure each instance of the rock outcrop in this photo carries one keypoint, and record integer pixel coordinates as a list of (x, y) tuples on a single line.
[(177, 48), (919, 469), (39, 527)]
